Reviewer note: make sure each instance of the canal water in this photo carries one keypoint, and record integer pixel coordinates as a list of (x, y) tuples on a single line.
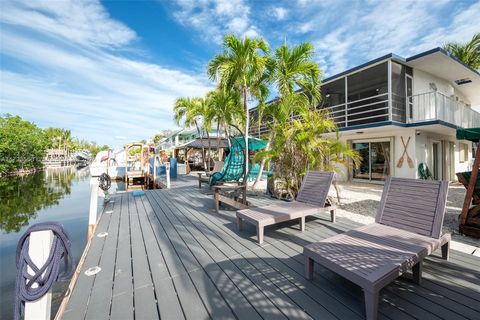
[(56, 194)]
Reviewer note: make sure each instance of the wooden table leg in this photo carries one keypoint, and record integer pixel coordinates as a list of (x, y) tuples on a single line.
[(239, 224), (216, 201), (260, 234), (302, 223)]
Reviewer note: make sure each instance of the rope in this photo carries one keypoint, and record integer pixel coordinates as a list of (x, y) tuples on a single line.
[(47, 274), (104, 181)]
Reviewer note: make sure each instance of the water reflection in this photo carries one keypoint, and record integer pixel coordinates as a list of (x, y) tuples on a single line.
[(22, 197), (60, 194)]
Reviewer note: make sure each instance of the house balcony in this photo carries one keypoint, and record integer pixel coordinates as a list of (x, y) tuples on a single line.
[(435, 106)]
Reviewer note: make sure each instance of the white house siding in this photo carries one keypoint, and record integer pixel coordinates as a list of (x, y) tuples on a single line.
[(422, 80), (394, 133), (419, 149)]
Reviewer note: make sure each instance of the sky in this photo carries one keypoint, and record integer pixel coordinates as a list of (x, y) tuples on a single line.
[(110, 70)]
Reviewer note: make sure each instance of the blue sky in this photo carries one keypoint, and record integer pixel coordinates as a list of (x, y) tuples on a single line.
[(110, 71)]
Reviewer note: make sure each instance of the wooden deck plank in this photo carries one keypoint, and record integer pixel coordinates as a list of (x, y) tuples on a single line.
[(101, 297), (122, 301), (192, 304), (167, 299), (175, 258), (77, 304), (234, 234), (218, 277), (222, 252), (144, 295), (303, 301)]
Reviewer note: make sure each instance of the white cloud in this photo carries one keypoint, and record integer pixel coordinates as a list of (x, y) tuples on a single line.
[(280, 13), (79, 84), (214, 18), (376, 28), (84, 21)]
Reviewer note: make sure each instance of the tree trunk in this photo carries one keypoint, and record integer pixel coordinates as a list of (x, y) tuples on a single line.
[(262, 165), (218, 140), (207, 168), (200, 133), (247, 120)]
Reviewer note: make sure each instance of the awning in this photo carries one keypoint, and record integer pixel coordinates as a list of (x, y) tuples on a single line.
[(203, 143), (254, 144), (472, 134)]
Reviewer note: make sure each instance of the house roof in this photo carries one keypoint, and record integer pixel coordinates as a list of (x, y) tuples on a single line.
[(442, 64), (437, 62), (204, 143)]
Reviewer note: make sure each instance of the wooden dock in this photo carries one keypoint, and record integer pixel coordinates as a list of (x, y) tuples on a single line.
[(167, 255)]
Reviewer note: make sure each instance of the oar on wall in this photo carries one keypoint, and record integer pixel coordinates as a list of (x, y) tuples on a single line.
[(409, 160)]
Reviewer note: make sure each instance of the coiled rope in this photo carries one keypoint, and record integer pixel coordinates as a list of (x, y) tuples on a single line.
[(104, 181), (44, 275)]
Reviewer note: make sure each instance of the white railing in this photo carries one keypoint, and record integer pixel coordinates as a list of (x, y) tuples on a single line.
[(354, 114), (437, 106)]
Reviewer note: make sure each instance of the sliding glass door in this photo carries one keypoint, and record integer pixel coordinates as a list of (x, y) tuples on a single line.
[(375, 163)]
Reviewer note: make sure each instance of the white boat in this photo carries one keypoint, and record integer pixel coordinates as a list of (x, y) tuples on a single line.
[(111, 162)]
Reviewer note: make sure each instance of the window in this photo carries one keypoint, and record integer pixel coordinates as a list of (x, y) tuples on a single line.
[(463, 152), (368, 95), (333, 98), (375, 163)]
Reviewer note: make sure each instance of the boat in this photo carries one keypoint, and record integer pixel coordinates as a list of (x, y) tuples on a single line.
[(111, 162)]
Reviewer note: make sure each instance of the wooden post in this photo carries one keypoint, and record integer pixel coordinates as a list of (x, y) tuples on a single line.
[(92, 215), (167, 171), (470, 189), (39, 250)]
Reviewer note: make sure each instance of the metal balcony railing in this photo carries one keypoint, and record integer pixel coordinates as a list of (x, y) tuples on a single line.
[(437, 106)]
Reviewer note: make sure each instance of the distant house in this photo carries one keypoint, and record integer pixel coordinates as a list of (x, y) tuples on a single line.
[(421, 99)]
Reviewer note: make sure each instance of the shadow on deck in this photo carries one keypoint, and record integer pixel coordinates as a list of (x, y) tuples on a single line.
[(168, 255)]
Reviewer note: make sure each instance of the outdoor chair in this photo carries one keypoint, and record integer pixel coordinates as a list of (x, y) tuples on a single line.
[(407, 228), (311, 200), (205, 177)]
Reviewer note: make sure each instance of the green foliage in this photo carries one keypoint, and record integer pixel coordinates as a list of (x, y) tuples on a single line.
[(162, 134), (468, 53), (23, 196), (22, 144), (297, 141), (300, 145), (244, 71)]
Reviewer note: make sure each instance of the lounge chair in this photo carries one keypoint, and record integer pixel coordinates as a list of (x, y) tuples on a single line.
[(311, 200), (407, 228), (205, 177)]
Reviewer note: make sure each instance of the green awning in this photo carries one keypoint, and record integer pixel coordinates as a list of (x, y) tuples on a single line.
[(472, 134), (254, 144)]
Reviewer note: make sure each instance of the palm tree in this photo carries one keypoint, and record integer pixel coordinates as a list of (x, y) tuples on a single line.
[(291, 70), (225, 109), (190, 110), (468, 53), (242, 67)]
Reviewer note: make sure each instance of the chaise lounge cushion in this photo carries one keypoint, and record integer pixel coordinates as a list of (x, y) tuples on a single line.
[(280, 212), (373, 255)]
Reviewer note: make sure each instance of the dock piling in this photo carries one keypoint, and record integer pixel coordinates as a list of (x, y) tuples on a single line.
[(92, 216), (39, 250)]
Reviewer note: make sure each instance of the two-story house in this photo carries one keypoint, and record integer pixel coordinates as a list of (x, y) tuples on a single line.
[(391, 105)]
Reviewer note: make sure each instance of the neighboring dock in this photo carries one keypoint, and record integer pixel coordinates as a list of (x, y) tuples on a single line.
[(168, 255)]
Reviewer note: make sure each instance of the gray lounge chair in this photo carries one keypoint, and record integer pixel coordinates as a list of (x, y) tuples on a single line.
[(407, 228), (311, 199), (205, 177)]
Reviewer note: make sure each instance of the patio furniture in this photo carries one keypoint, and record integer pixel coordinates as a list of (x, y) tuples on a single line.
[(407, 228), (311, 200), (469, 219), (204, 177)]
